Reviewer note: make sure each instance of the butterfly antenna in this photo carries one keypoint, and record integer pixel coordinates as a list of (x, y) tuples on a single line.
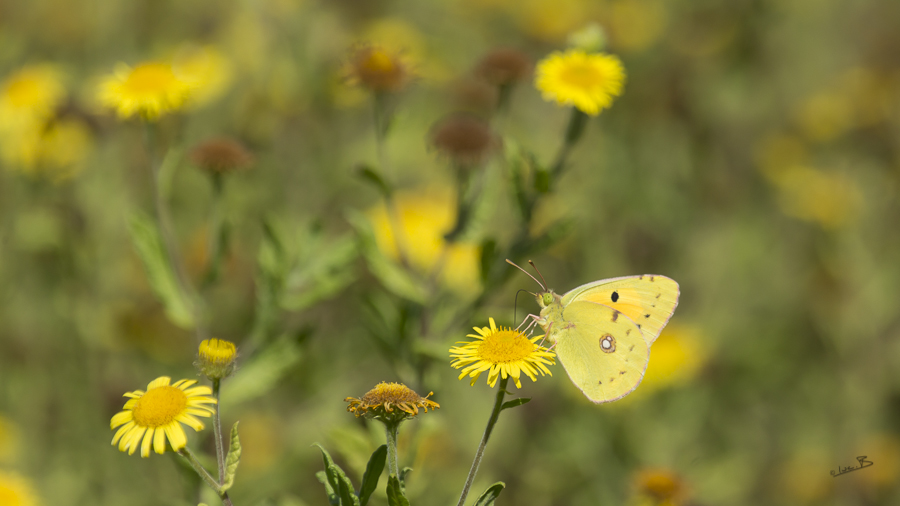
[(516, 304), (539, 272), (526, 272)]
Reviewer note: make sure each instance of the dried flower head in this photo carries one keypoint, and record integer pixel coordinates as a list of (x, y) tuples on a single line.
[(662, 485), (215, 358), (464, 138), (221, 155), (378, 69), (503, 67), (475, 95), (390, 402)]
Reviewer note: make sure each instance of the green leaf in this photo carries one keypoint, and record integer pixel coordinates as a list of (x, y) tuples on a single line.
[(263, 372), (373, 472), (233, 458), (403, 474), (149, 246), (338, 480), (370, 176), (395, 494), (333, 499), (319, 270), (515, 402), (487, 498), (488, 251), (392, 275)]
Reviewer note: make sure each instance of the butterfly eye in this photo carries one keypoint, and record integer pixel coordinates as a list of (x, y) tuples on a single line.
[(607, 343)]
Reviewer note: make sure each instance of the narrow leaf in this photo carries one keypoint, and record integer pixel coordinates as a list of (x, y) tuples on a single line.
[(395, 495), (149, 246), (348, 498), (373, 472), (333, 499), (368, 173), (515, 402), (489, 495), (263, 371), (330, 472), (233, 458), (338, 480)]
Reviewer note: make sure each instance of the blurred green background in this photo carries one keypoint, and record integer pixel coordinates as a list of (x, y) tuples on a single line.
[(754, 157)]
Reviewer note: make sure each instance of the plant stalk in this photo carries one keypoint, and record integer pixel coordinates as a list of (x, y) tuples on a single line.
[(495, 414), (391, 430)]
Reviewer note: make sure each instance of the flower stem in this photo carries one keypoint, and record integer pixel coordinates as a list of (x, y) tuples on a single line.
[(204, 474), (217, 433), (390, 430), (484, 439)]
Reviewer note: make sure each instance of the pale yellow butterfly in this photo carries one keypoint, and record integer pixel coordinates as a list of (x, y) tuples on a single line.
[(602, 331)]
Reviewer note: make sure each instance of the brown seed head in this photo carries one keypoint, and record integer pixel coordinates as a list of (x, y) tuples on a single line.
[(390, 402), (464, 138), (221, 155), (662, 485), (504, 66)]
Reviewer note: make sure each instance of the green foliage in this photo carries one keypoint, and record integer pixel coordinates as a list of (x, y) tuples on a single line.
[(373, 472), (395, 494), (515, 402), (338, 486), (488, 497), (146, 238), (232, 459), (263, 371)]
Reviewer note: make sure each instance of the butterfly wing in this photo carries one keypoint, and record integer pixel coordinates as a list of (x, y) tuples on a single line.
[(649, 300), (602, 350)]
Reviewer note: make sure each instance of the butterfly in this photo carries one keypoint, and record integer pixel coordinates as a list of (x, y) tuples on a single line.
[(602, 331)]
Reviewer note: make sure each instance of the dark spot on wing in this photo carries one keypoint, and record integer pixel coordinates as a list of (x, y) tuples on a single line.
[(646, 316), (638, 325), (615, 296), (599, 382), (632, 348), (657, 295), (628, 331), (621, 372), (611, 379), (651, 279), (615, 316)]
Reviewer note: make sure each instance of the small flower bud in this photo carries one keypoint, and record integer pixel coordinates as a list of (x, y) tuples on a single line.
[(216, 358)]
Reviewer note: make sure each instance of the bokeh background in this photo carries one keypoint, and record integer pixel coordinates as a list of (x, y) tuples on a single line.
[(754, 157)]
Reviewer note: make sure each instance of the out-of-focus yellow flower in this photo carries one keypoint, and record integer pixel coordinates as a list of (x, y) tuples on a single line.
[(659, 487), (830, 199), (802, 479), (30, 96), (636, 24), (423, 217), (552, 20), (154, 416), (825, 115), (884, 451), (9, 440), (503, 353), (150, 90), (206, 70), (675, 357), (777, 153), (588, 81), (378, 69), (16, 490)]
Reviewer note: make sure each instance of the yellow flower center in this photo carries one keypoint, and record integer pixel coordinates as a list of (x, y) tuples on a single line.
[(150, 78), (392, 393), (378, 62), (217, 351), (159, 406), (505, 346), (581, 75)]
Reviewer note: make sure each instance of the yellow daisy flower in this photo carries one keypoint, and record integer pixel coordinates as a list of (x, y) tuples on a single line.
[(16, 490), (30, 96), (150, 89), (378, 69), (588, 81), (154, 415), (502, 351)]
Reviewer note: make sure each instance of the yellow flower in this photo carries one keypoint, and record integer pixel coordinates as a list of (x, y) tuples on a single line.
[(216, 358), (16, 490), (505, 352), (154, 415), (150, 89), (380, 402), (30, 96), (423, 217), (676, 357), (588, 81), (830, 199), (207, 70), (378, 69)]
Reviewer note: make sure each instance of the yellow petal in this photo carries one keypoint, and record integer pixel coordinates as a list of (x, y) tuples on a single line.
[(145, 445), (176, 436), (190, 421), (120, 418), (121, 432), (161, 381), (159, 441)]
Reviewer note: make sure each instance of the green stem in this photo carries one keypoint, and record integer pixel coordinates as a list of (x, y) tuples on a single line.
[(484, 439), (390, 430), (574, 131), (217, 433), (204, 474)]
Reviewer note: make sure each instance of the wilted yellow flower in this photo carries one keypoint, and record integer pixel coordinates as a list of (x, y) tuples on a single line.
[(221, 155), (424, 216), (390, 402), (662, 486), (150, 89), (157, 415), (465, 139), (378, 69), (502, 352), (503, 66), (208, 72), (16, 490), (588, 81)]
